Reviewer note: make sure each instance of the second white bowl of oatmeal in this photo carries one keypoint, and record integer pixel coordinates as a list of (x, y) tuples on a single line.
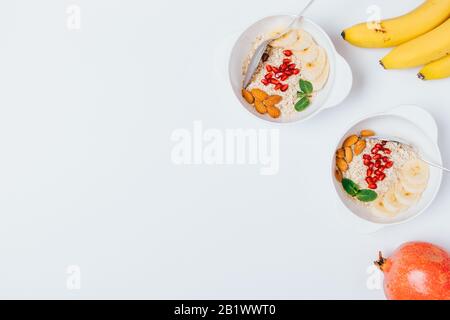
[(340, 78), (410, 123)]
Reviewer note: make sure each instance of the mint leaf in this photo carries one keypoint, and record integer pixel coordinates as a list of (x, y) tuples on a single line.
[(302, 104), (366, 195), (306, 86), (350, 187)]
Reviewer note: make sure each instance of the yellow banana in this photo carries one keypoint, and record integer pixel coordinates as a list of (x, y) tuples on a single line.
[(393, 32), (422, 50), (438, 69)]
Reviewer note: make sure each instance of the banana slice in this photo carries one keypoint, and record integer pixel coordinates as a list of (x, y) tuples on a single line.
[(404, 197), (415, 172), (309, 54), (379, 209), (413, 188), (320, 82), (312, 70), (391, 202), (304, 41), (286, 41)]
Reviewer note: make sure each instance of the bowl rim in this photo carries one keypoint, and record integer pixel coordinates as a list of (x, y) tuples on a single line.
[(332, 63), (439, 181)]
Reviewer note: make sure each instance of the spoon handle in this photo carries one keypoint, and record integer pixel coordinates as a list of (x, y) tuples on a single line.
[(299, 17), (398, 140), (435, 165)]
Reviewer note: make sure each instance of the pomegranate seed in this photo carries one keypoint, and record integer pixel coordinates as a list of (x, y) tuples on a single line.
[(287, 53), (287, 61), (284, 77), (371, 165), (283, 67), (269, 68), (278, 86), (278, 75), (369, 180), (373, 186), (284, 87), (375, 179), (377, 157), (268, 76), (275, 70), (382, 177), (382, 168), (367, 162), (274, 81), (369, 172), (389, 165), (296, 71), (292, 66), (367, 157), (379, 146), (377, 164), (378, 173), (387, 151), (385, 159), (289, 72), (265, 82), (375, 150)]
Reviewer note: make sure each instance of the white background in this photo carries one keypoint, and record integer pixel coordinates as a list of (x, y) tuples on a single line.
[(86, 176)]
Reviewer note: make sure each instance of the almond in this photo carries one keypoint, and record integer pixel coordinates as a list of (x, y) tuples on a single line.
[(259, 94), (272, 101), (348, 154), (359, 147), (273, 111), (260, 107), (338, 174), (341, 164), (350, 141), (367, 133), (340, 153), (248, 96)]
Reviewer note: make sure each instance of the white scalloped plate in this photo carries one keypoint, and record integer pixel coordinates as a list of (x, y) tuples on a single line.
[(410, 123), (339, 83)]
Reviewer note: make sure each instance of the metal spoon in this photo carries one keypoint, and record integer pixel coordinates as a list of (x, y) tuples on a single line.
[(401, 141), (256, 59)]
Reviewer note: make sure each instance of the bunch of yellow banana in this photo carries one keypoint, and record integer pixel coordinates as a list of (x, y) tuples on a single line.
[(421, 37)]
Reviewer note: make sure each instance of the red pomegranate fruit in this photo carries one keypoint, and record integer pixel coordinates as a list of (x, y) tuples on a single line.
[(416, 271)]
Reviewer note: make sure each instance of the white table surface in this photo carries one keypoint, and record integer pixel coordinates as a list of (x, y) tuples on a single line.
[(86, 177)]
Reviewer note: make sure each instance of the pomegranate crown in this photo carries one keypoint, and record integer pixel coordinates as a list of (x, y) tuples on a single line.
[(381, 261)]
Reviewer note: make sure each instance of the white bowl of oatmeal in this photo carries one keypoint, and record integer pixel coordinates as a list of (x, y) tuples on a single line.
[(383, 182), (300, 75)]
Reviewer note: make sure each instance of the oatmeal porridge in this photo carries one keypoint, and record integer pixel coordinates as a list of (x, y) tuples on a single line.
[(293, 70), (387, 177)]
